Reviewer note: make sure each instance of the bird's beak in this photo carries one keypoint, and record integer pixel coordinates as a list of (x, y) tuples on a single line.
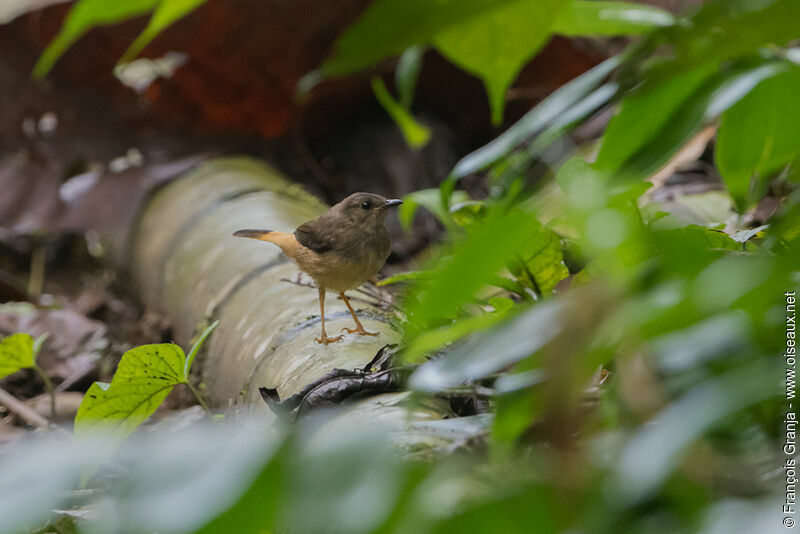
[(392, 202)]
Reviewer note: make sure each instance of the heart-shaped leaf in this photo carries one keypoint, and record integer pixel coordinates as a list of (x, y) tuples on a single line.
[(144, 378)]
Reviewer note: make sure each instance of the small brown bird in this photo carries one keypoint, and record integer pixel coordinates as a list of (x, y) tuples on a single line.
[(341, 249)]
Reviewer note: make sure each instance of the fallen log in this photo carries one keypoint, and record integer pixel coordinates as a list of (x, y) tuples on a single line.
[(189, 268)]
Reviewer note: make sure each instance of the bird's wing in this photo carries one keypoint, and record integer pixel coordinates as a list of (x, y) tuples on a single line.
[(315, 235)]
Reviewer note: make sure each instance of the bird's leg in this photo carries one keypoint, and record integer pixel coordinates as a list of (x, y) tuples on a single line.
[(359, 329), (324, 339)]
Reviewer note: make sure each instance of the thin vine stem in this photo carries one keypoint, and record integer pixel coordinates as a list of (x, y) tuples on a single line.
[(48, 385), (200, 400)]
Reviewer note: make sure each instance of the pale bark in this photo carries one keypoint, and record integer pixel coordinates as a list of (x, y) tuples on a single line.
[(190, 269)]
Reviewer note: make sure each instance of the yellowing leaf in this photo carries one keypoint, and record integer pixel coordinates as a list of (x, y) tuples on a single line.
[(16, 352), (144, 378)]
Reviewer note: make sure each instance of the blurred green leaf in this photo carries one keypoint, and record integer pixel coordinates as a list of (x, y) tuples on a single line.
[(407, 73), (643, 114), (435, 338), (533, 122), (758, 135), (633, 159), (83, 16), (490, 247), (388, 27), (432, 201), (725, 29), (571, 118), (540, 264), (515, 411), (516, 512), (402, 277), (489, 352), (489, 38), (700, 240), (468, 213), (415, 134), (37, 474), (501, 304), (191, 480), (16, 352), (719, 336), (496, 45), (144, 378), (510, 285), (167, 12), (343, 499), (582, 18), (653, 451)]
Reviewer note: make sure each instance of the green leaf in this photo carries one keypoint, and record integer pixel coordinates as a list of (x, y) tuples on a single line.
[(197, 346), (583, 17), (726, 29), (403, 277), (144, 378), (759, 135), (697, 237), (436, 338), (541, 264), (407, 73), (472, 264), (85, 15), (388, 27), (38, 343), (16, 352), (501, 304), (167, 12), (650, 455), (489, 38), (415, 134), (430, 199), (643, 115), (496, 45), (38, 475), (533, 122), (468, 213), (496, 349), (630, 157)]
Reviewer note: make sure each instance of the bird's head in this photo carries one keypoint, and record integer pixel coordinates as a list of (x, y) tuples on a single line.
[(366, 208)]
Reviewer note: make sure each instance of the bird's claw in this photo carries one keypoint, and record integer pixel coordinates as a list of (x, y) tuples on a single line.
[(360, 331), (324, 340)]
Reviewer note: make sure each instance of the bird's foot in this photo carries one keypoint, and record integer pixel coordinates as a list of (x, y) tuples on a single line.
[(325, 339), (360, 331)]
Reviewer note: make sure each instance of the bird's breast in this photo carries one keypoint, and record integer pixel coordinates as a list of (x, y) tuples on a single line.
[(348, 266)]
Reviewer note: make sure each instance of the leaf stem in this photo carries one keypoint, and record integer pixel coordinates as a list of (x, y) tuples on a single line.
[(36, 276), (200, 400), (196, 348), (48, 385)]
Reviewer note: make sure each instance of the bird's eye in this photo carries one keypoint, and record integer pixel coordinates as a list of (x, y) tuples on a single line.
[(365, 205)]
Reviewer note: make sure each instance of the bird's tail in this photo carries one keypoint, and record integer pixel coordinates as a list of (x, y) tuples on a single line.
[(286, 242)]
